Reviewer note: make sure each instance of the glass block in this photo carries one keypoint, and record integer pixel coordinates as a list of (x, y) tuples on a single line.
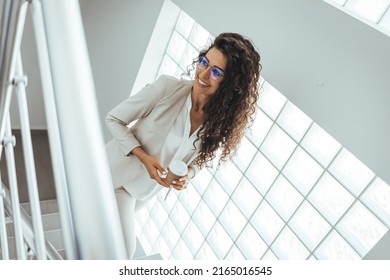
[(170, 234), (302, 171), (193, 237), (371, 10), (228, 175), (385, 21), (267, 222), (215, 197), (232, 220), (377, 197), (141, 216), (269, 255), (168, 66), (184, 24), (199, 36), (245, 154), (179, 72), (330, 198), (201, 181), (162, 248), (278, 147), (334, 247), (158, 214), (190, 198), (294, 121), (234, 254), (284, 197), (288, 247), (246, 197), (219, 241), (189, 55), (204, 218), (176, 46), (309, 225), (179, 216), (261, 173), (271, 101), (260, 128), (168, 202), (351, 172), (361, 228), (320, 145), (145, 243), (250, 244), (206, 253), (340, 2), (181, 251), (151, 232)]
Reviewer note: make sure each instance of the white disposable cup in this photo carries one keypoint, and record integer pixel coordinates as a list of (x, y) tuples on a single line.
[(176, 169)]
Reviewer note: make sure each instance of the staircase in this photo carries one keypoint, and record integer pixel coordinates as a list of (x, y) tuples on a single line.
[(51, 226), (52, 229)]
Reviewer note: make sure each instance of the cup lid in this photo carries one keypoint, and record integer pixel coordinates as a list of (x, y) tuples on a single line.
[(178, 167)]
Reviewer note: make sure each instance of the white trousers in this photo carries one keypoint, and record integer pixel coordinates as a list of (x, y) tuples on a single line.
[(126, 207)]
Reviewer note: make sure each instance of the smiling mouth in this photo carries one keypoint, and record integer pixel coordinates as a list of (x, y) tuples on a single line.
[(202, 83)]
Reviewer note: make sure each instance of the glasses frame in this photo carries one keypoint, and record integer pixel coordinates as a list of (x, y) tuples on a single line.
[(213, 69)]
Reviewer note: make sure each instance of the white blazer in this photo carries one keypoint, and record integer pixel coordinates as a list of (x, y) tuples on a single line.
[(154, 108)]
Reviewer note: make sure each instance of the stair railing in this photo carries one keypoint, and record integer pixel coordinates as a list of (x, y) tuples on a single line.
[(27, 228), (88, 213)]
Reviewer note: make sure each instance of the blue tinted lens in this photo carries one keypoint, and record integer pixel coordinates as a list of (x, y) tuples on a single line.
[(203, 63), (216, 72)]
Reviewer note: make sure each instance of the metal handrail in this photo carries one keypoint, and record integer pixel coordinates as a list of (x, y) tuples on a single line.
[(92, 230), (27, 227), (97, 223), (56, 152)]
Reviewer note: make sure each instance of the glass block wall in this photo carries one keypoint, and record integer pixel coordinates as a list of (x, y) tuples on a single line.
[(292, 191), (375, 13)]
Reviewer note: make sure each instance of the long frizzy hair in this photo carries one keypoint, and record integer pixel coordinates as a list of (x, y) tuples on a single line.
[(231, 108)]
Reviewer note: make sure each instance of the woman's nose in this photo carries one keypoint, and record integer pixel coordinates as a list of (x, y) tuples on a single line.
[(205, 73)]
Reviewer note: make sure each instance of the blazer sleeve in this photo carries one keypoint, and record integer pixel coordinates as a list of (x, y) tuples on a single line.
[(133, 108)]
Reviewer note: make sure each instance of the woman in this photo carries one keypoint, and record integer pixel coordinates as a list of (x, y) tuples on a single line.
[(181, 119)]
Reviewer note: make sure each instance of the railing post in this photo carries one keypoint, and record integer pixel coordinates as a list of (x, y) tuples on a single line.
[(94, 211), (13, 18), (3, 229), (9, 143), (20, 82)]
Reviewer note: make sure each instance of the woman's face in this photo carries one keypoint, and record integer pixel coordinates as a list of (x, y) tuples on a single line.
[(204, 83)]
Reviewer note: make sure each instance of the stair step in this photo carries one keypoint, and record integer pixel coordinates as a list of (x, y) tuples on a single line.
[(51, 226), (47, 206), (49, 221), (53, 236)]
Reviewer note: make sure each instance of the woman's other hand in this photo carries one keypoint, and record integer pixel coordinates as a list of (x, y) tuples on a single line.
[(152, 165)]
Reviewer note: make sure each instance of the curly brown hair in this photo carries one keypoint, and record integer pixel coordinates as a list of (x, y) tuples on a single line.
[(231, 108)]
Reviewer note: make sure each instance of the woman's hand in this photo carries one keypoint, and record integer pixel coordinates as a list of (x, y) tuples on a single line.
[(182, 182), (152, 165)]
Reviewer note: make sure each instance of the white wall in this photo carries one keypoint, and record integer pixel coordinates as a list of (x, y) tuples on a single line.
[(333, 67), (118, 34)]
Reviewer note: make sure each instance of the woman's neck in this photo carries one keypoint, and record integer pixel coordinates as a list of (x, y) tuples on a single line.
[(198, 102)]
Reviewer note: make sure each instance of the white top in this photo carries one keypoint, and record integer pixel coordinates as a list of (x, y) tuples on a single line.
[(181, 145)]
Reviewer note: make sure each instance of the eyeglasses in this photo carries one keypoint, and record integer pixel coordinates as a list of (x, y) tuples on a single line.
[(215, 72)]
